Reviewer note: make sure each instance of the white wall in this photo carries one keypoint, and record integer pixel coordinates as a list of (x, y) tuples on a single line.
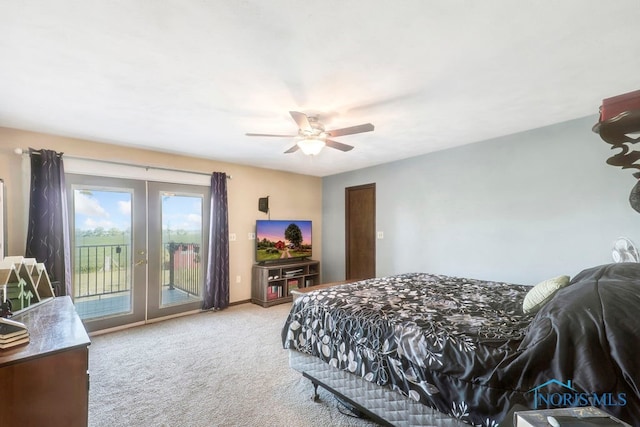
[(520, 208)]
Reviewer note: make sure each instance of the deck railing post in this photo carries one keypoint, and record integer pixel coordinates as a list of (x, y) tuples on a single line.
[(172, 250)]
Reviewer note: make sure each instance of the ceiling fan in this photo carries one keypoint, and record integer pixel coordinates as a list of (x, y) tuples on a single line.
[(313, 137)]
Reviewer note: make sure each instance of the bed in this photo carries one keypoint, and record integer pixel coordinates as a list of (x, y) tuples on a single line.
[(444, 350)]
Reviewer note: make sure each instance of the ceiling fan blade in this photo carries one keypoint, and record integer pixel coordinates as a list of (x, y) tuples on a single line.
[(301, 119), (292, 149), (367, 127), (383, 102), (268, 134), (338, 145)]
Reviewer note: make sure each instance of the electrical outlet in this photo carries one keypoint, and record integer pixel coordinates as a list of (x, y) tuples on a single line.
[(232, 237), (380, 235), (238, 279), (252, 236)]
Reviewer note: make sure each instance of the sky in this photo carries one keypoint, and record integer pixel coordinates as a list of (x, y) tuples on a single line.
[(182, 213), (112, 209)]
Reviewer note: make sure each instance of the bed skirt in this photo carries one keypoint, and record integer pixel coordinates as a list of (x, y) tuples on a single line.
[(389, 405)]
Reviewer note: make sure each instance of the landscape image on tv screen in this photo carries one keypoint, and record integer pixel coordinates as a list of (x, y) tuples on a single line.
[(282, 239)]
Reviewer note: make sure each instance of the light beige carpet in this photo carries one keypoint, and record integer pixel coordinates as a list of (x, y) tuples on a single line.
[(223, 368)]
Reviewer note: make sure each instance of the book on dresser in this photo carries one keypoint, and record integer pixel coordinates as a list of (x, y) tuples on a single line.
[(12, 333)]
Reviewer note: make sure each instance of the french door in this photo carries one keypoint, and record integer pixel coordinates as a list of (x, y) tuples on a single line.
[(138, 249)]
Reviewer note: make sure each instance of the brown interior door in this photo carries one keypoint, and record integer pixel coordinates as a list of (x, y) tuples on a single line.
[(360, 211)]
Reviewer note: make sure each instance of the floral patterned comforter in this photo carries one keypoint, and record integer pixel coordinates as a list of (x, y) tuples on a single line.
[(434, 338)]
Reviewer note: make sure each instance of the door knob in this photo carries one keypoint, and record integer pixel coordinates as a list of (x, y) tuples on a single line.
[(142, 261)]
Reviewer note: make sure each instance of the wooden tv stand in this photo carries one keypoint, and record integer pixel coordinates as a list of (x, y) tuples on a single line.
[(46, 382), (273, 283)]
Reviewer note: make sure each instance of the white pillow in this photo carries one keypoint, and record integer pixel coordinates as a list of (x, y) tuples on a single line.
[(541, 293)]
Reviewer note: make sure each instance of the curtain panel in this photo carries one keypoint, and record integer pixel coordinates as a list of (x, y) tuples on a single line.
[(48, 228), (216, 289)]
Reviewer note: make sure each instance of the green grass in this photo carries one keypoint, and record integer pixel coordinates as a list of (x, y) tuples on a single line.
[(105, 245), (270, 255), (125, 238), (266, 255)]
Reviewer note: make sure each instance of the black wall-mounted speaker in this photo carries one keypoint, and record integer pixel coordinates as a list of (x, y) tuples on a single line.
[(263, 204)]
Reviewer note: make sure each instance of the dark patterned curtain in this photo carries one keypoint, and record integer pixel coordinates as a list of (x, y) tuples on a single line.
[(48, 229), (216, 285)]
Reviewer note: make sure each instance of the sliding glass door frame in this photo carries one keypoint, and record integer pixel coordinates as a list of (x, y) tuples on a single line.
[(157, 192), (147, 258), (135, 257)]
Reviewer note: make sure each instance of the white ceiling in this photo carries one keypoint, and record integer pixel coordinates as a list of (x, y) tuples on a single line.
[(192, 76)]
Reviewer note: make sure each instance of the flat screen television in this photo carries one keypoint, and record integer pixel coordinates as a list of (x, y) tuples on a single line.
[(282, 240)]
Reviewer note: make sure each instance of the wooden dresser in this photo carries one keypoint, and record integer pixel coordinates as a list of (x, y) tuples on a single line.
[(46, 382)]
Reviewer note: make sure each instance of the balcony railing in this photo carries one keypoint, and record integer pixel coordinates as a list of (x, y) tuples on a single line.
[(184, 267), (101, 270)]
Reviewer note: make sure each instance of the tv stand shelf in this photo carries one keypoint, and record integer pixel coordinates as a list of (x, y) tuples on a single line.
[(272, 283)]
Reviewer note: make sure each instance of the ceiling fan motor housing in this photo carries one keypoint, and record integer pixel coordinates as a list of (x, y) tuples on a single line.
[(316, 129)]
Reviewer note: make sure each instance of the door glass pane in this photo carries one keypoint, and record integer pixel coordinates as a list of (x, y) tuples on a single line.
[(182, 274), (102, 252)]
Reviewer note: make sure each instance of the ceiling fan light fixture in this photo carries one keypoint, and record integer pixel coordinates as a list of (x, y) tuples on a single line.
[(311, 146)]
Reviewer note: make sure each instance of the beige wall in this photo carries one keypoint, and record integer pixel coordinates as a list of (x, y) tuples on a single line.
[(290, 195)]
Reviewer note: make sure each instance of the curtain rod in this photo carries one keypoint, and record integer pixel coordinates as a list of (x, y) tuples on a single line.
[(21, 151)]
